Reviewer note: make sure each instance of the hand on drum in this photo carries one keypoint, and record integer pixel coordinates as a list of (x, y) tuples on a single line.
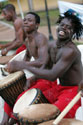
[(13, 66), (4, 52)]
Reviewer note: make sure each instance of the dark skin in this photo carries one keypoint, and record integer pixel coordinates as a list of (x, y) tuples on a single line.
[(64, 60), (18, 41), (19, 33), (36, 43), (37, 46), (64, 56)]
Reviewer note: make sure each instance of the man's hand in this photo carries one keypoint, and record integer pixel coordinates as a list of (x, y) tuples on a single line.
[(13, 66), (4, 52)]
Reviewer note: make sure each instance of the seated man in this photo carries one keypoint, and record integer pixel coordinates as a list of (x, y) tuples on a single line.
[(37, 46), (9, 14), (66, 64)]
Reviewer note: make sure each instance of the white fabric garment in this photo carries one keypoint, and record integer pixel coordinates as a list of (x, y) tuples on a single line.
[(64, 6)]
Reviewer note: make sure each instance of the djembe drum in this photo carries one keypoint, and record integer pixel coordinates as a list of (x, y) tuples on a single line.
[(11, 86), (32, 96), (20, 57), (36, 113), (30, 110), (5, 59)]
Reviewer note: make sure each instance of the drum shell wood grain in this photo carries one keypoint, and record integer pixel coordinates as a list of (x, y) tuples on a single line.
[(10, 91)]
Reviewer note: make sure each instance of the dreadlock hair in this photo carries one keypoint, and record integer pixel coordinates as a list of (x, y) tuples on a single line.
[(73, 16), (9, 7), (37, 17)]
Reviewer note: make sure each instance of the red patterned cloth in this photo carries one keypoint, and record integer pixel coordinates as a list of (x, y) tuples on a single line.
[(57, 95), (62, 96), (23, 47)]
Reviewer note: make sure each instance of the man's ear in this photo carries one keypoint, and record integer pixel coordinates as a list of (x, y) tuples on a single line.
[(37, 25)]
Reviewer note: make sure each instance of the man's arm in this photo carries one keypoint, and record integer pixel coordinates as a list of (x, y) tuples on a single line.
[(43, 58), (2, 46), (42, 45), (18, 38), (57, 70)]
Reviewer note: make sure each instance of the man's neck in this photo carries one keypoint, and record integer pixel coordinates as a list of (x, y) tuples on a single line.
[(31, 35), (60, 43), (14, 17)]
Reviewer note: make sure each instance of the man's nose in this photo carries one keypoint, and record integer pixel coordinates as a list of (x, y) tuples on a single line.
[(64, 27)]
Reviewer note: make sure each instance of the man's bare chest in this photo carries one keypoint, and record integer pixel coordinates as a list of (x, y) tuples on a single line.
[(55, 54), (33, 49)]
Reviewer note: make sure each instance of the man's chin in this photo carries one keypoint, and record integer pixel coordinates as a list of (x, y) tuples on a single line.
[(61, 37), (26, 30)]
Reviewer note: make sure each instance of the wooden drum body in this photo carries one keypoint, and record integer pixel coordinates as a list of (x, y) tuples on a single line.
[(11, 86)]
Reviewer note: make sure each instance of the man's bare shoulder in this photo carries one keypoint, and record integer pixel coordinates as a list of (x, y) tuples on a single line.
[(18, 23), (70, 51), (41, 38)]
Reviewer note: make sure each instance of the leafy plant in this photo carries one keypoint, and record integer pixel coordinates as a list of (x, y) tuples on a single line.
[(2, 4)]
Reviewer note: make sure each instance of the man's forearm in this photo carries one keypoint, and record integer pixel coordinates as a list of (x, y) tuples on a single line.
[(13, 45), (41, 73), (2, 46), (36, 63)]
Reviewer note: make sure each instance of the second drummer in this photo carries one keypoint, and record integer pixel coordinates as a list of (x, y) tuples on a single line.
[(37, 46)]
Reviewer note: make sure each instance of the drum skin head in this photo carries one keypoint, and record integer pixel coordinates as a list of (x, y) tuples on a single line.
[(32, 96), (64, 122), (37, 113), (25, 100), (10, 78)]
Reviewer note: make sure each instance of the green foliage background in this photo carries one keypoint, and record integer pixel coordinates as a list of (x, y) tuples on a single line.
[(2, 4)]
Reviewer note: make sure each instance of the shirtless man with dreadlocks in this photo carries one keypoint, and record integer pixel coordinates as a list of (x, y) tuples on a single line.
[(66, 63)]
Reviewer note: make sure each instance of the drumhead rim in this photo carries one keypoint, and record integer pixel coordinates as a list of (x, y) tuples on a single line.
[(32, 121), (2, 86)]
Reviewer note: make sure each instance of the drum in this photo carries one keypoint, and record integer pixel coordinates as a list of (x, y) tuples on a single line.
[(5, 59), (64, 122), (19, 56), (37, 113), (30, 97), (11, 86)]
